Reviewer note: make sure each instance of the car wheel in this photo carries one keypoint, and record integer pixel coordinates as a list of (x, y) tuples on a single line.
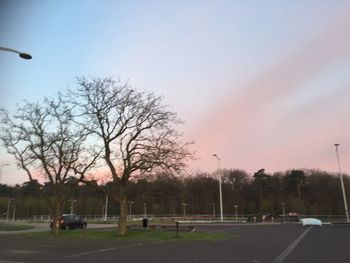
[(66, 227)]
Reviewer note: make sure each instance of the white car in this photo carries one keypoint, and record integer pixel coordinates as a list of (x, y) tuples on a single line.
[(311, 222)]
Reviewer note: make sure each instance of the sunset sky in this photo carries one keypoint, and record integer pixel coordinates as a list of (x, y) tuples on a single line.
[(263, 84)]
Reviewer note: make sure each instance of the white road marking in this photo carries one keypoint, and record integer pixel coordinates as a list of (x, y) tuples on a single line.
[(289, 249), (104, 250)]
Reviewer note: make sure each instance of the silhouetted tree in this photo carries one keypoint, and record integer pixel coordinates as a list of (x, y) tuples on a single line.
[(46, 143), (136, 132)]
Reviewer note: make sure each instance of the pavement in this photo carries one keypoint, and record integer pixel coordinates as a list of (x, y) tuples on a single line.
[(279, 243)]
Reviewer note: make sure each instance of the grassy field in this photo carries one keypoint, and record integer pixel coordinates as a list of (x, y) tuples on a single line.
[(141, 235), (13, 227)]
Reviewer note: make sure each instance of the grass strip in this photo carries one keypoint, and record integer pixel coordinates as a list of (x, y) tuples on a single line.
[(151, 235), (13, 227)]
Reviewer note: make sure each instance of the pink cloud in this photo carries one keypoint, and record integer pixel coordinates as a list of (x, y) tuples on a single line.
[(250, 131)]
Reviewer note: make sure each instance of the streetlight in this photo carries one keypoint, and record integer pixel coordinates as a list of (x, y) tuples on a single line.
[(13, 213), (145, 210), (283, 211), (214, 211), (184, 208), (72, 205), (130, 206), (236, 214), (106, 208), (21, 54), (342, 184), (8, 208), (220, 188)]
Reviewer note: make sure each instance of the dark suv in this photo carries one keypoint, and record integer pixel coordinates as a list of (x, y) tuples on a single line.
[(71, 221)]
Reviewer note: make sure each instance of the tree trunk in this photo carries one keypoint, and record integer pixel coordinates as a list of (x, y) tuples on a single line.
[(57, 217), (299, 191), (122, 228)]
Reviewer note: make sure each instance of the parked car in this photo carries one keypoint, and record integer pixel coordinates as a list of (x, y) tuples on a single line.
[(71, 221), (311, 222)]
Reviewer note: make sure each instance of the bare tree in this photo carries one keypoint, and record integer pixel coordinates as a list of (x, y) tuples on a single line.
[(47, 144), (136, 132)]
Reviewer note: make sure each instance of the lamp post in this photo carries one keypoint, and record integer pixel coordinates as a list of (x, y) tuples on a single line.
[(145, 210), (214, 211), (106, 208), (342, 184), (220, 188), (283, 211), (184, 209), (21, 54), (236, 214), (9, 200), (1, 166), (130, 206), (72, 201), (13, 213)]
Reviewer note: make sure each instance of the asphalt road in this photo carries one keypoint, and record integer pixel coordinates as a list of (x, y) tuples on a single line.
[(251, 244), (41, 227)]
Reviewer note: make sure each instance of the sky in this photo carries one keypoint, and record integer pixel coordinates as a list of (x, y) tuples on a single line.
[(262, 84)]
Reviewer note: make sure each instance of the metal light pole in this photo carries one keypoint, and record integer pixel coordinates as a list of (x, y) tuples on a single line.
[(8, 208), (144, 210), (283, 212), (342, 184), (21, 54), (13, 213), (214, 214), (72, 205), (184, 209), (1, 166), (236, 214), (220, 188), (106, 208), (130, 206)]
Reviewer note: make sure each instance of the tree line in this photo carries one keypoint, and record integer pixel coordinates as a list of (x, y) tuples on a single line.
[(310, 192)]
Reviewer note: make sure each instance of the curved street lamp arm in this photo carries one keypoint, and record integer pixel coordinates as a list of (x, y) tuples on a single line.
[(21, 54)]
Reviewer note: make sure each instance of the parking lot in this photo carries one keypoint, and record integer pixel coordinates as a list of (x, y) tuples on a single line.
[(250, 243)]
